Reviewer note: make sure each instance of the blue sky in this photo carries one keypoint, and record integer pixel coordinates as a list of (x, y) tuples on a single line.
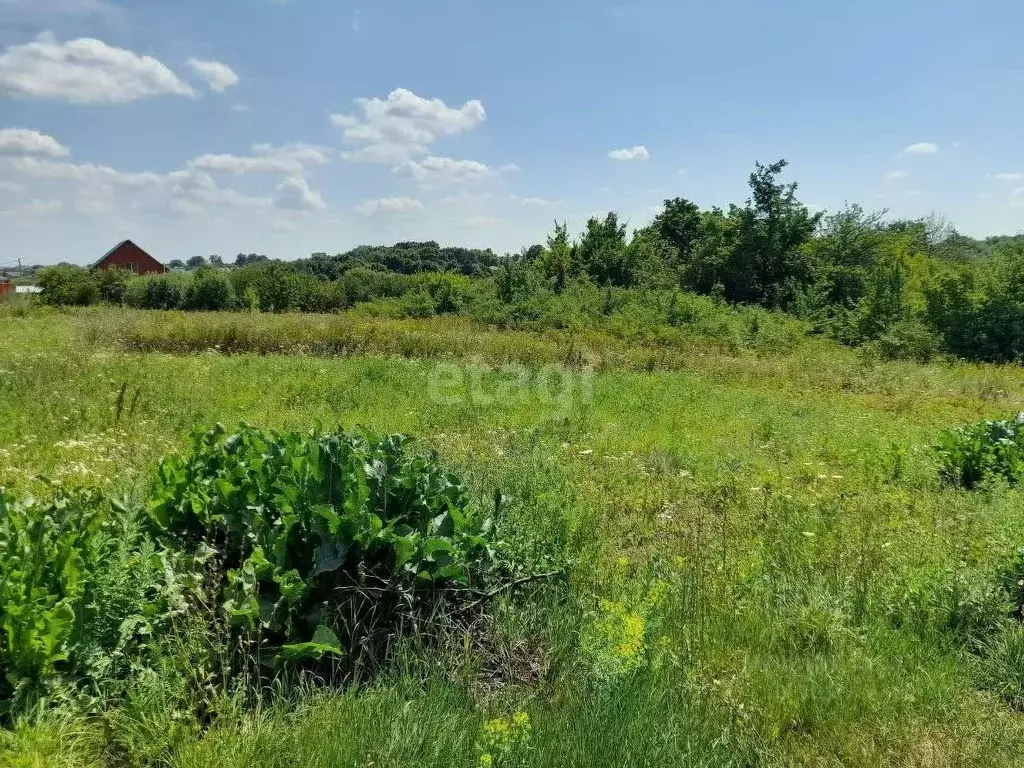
[(292, 127)]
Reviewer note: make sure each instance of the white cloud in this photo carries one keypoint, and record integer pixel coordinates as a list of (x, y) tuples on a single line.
[(96, 188), (532, 201), (921, 148), (43, 207), (437, 171), (478, 222), (295, 194), (11, 187), (84, 71), (629, 154), (404, 125), (20, 141), (290, 160), (1018, 191), (914, 192), (387, 205), (896, 175), (1006, 176), (219, 77)]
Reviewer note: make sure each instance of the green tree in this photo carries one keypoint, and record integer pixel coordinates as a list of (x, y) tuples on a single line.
[(768, 263), (601, 251), (680, 223), (556, 261)]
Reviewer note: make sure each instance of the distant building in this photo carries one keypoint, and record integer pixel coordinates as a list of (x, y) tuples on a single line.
[(128, 255), (6, 287)]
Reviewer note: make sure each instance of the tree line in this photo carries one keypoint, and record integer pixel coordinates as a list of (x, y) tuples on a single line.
[(917, 287)]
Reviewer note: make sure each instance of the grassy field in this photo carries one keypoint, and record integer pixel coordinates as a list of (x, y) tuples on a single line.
[(763, 566)]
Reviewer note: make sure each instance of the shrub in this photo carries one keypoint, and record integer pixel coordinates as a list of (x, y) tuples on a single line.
[(988, 449), (69, 286), (301, 523), (908, 340), (111, 284), (209, 290), (157, 292)]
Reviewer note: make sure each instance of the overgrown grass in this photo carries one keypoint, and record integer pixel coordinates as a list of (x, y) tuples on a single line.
[(765, 566)]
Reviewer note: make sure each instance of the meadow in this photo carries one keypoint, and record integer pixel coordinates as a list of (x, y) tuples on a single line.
[(759, 562)]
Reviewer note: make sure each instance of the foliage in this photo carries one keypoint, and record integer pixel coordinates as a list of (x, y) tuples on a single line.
[(985, 450), (404, 258), (68, 286), (209, 290), (505, 741), (295, 520), (42, 584), (166, 291)]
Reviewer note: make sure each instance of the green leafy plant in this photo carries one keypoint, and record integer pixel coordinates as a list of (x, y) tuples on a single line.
[(42, 583), (987, 449), (318, 534)]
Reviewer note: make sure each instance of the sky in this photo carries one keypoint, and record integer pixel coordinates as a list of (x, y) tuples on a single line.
[(289, 127)]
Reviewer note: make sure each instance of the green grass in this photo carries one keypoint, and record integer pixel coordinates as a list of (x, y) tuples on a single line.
[(826, 600)]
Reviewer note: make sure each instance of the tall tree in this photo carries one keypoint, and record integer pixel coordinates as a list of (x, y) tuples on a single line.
[(768, 263), (601, 251), (556, 260)]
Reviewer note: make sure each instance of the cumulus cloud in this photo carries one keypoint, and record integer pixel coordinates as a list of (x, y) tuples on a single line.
[(219, 77), (84, 71), (921, 148), (20, 141), (438, 171), (1007, 176), (629, 154), (896, 175), (96, 188), (403, 125), (295, 194), (290, 160), (389, 205)]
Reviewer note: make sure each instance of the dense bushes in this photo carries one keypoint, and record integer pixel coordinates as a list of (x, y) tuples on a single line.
[(907, 289), (299, 520), (988, 449), (300, 546)]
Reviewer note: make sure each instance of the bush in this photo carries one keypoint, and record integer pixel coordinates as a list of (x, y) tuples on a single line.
[(209, 290), (908, 340), (69, 286), (305, 526), (988, 449), (157, 292), (112, 284)]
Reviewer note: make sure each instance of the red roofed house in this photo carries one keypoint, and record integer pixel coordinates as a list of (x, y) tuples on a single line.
[(128, 255), (6, 287)]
